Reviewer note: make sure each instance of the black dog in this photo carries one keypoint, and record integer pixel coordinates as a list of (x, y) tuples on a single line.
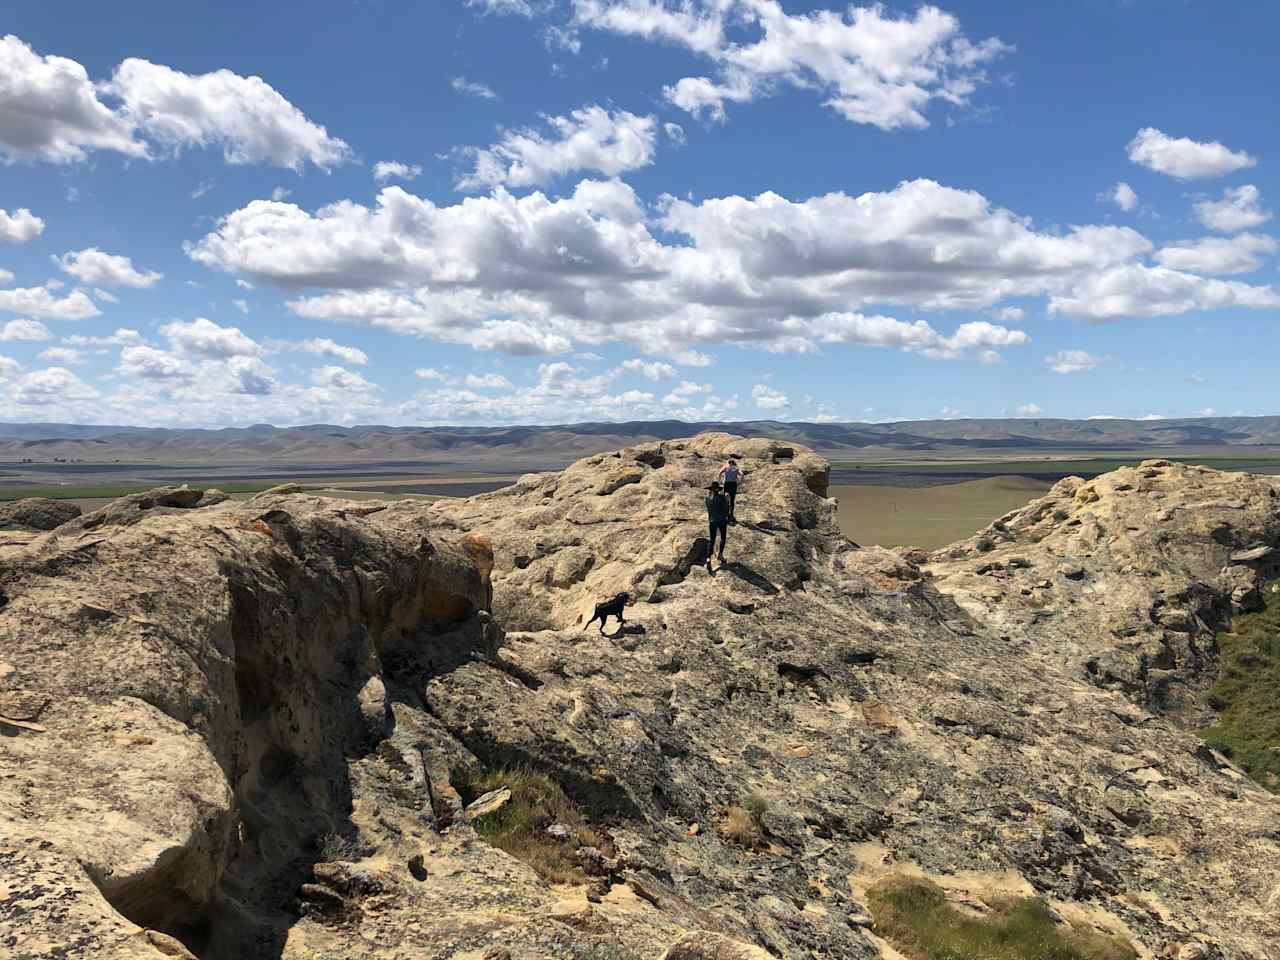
[(609, 608)]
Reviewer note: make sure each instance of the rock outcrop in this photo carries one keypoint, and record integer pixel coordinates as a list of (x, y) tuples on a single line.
[(1124, 580), (236, 730), (36, 513)]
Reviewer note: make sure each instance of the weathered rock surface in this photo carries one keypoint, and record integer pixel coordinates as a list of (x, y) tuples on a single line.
[(36, 513), (1124, 580), (249, 713)]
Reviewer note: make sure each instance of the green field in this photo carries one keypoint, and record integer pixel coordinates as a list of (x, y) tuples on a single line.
[(929, 516)]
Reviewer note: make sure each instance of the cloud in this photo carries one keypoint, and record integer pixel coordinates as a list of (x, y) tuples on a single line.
[(533, 274), (675, 133), (1011, 314), (487, 381), (324, 347), (24, 330), (104, 296), (521, 8), (100, 269), (652, 370), (9, 368), (62, 356), (20, 226), (280, 193), (1242, 253), (150, 363), (248, 118), (870, 66), (50, 110), (471, 88), (123, 337), (204, 338), (1183, 158), (385, 170), (1122, 196), (50, 385), (1029, 410), (42, 302), (692, 358), (429, 373), (203, 187), (340, 378), (590, 138), (241, 305), (563, 38), (1239, 209), (767, 398), (1135, 290), (1072, 361)]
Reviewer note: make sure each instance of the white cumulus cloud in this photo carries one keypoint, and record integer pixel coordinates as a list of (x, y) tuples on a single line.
[(1123, 196), (1135, 290), (1072, 361), (1242, 253), (591, 139), (869, 65), (24, 330), (50, 110), (1239, 209), (44, 302), (100, 269), (385, 170), (202, 337), (767, 398), (324, 347), (1183, 158), (21, 225)]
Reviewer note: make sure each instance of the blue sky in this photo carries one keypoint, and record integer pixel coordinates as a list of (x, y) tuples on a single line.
[(519, 211)]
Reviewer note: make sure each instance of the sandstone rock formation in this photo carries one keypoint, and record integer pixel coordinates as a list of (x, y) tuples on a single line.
[(36, 513), (1124, 580), (234, 730)]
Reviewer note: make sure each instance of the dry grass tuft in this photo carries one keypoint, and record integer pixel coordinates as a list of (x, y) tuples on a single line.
[(520, 827), (913, 914)]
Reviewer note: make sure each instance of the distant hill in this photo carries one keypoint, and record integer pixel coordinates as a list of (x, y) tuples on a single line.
[(327, 443)]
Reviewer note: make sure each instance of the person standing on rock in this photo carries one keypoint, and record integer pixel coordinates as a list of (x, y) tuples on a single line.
[(729, 476), (717, 520)]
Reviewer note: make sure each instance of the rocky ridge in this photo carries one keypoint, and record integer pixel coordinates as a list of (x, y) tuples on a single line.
[(235, 729), (1124, 580)]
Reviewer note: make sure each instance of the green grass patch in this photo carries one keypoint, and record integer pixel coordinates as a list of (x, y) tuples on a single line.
[(913, 914), (1247, 693), (520, 827)]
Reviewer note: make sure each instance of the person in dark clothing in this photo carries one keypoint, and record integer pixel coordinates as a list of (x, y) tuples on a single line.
[(717, 520), (729, 476)]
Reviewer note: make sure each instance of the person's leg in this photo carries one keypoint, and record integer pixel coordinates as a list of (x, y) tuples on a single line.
[(711, 547), (732, 490), (724, 535)]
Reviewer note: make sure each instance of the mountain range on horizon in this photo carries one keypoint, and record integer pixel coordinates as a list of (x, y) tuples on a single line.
[(322, 442)]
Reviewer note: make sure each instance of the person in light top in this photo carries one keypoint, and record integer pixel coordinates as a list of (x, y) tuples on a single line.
[(729, 476)]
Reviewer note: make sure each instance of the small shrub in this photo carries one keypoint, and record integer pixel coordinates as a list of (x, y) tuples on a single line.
[(757, 806), (1060, 514), (520, 827), (913, 914), (742, 828), (985, 544)]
